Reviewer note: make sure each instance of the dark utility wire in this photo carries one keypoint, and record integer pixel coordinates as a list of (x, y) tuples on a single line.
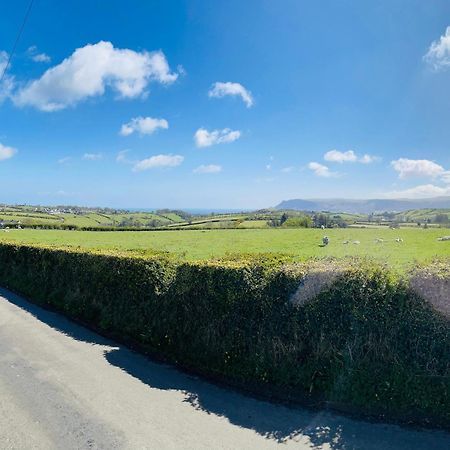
[(17, 40)]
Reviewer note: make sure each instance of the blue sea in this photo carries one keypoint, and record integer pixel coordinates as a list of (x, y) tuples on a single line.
[(195, 211)]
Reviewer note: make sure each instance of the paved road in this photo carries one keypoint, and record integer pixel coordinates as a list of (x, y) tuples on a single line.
[(64, 387)]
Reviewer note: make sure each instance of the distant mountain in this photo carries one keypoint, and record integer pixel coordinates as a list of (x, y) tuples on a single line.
[(364, 206)]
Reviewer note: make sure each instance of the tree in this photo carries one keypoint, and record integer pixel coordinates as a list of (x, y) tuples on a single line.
[(320, 219), (273, 223), (441, 218), (298, 222)]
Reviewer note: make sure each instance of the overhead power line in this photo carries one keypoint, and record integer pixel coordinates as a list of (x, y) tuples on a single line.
[(17, 40)]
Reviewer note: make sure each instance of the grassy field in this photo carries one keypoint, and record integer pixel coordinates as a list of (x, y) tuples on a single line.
[(28, 217), (418, 244), (73, 217)]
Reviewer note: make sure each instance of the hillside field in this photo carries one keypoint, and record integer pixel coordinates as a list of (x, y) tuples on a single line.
[(418, 244)]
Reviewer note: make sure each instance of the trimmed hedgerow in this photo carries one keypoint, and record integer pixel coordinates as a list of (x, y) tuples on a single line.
[(366, 341)]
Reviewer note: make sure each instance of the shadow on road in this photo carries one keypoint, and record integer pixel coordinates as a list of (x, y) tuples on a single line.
[(269, 420), (273, 421)]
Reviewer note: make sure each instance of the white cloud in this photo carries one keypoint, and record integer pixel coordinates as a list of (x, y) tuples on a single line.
[(143, 125), (41, 57), (7, 85), (205, 138), (6, 152), (340, 157), (288, 169), (320, 170), (438, 55), (221, 89), (421, 168), (181, 70), (408, 168), (37, 57), (122, 157), (158, 161), (422, 191), (64, 160), (92, 156), (445, 177), (92, 69), (348, 156), (3, 60), (368, 159), (210, 168)]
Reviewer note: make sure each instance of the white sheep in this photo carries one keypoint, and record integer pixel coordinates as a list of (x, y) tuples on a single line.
[(399, 239)]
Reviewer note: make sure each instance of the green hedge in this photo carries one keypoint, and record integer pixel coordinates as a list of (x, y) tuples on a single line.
[(366, 342)]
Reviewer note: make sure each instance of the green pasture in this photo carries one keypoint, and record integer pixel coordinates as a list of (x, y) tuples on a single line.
[(254, 224), (91, 219), (30, 219), (418, 244)]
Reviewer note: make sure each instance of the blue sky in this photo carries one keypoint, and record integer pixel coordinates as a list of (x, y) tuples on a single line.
[(236, 104)]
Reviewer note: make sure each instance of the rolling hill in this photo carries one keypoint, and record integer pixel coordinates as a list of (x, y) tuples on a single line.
[(364, 206)]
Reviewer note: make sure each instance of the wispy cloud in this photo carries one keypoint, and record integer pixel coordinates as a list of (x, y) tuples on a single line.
[(64, 160), (6, 152), (438, 55), (421, 191), (90, 70), (348, 156), (38, 57), (158, 161), (210, 168), (205, 138), (41, 57), (92, 156), (122, 157), (221, 89), (368, 159), (321, 171), (8, 83), (143, 125)]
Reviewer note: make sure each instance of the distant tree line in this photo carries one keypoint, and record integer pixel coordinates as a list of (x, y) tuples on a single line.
[(308, 221), (183, 214)]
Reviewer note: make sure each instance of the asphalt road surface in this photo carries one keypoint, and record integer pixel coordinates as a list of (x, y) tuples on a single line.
[(65, 387)]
